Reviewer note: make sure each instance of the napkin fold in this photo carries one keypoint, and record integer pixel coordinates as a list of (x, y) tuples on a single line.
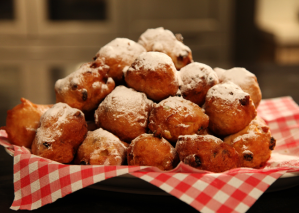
[(39, 181)]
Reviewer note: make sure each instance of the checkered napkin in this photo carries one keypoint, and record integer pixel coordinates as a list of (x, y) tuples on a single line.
[(39, 181)]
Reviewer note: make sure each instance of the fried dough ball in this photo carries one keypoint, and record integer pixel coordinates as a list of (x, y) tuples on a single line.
[(207, 152), (119, 54), (254, 143), (100, 147), (85, 88), (176, 116), (229, 108), (244, 79), (62, 129), (22, 122), (148, 150), (161, 40), (124, 112), (154, 74), (197, 79)]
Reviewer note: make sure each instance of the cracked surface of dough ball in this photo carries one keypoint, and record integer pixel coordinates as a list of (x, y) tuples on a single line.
[(229, 108), (148, 150), (244, 79), (62, 129), (176, 116), (124, 112), (85, 88), (207, 152), (154, 74), (119, 54), (101, 147), (22, 122), (197, 79), (254, 143), (161, 40)]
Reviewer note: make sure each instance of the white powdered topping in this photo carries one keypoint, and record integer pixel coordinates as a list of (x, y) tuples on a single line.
[(125, 69), (126, 101), (220, 73), (195, 73), (248, 136), (59, 114), (179, 79), (31, 129), (229, 92), (211, 137), (239, 76), (123, 48), (178, 104), (180, 49), (110, 143), (244, 147), (157, 40), (162, 40), (96, 85), (76, 78), (194, 138), (101, 133), (183, 125), (153, 61), (183, 138), (248, 152), (146, 135)]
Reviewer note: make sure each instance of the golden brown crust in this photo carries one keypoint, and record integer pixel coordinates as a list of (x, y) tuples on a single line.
[(100, 147), (154, 74), (176, 116), (61, 132), (22, 122), (207, 152), (254, 144), (124, 112), (148, 150), (85, 88), (229, 109)]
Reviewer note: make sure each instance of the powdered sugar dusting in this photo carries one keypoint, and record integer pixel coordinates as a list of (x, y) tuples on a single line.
[(220, 73), (108, 142), (101, 133), (146, 135), (195, 73), (237, 75), (180, 49), (194, 138), (124, 101), (157, 39), (228, 92), (248, 136), (248, 152), (96, 85), (153, 61), (254, 127), (123, 48), (162, 40), (59, 114), (177, 104), (77, 78)]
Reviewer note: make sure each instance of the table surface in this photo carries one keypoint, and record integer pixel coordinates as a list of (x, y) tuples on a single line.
[(93, 200)]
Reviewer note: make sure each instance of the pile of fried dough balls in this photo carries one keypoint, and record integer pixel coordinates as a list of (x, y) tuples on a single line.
[(148, 103)]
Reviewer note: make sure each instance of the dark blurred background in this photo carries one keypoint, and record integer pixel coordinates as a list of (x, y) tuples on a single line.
[(44, 40)]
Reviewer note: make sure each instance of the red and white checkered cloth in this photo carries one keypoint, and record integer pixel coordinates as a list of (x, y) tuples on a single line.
[(39, 181)]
